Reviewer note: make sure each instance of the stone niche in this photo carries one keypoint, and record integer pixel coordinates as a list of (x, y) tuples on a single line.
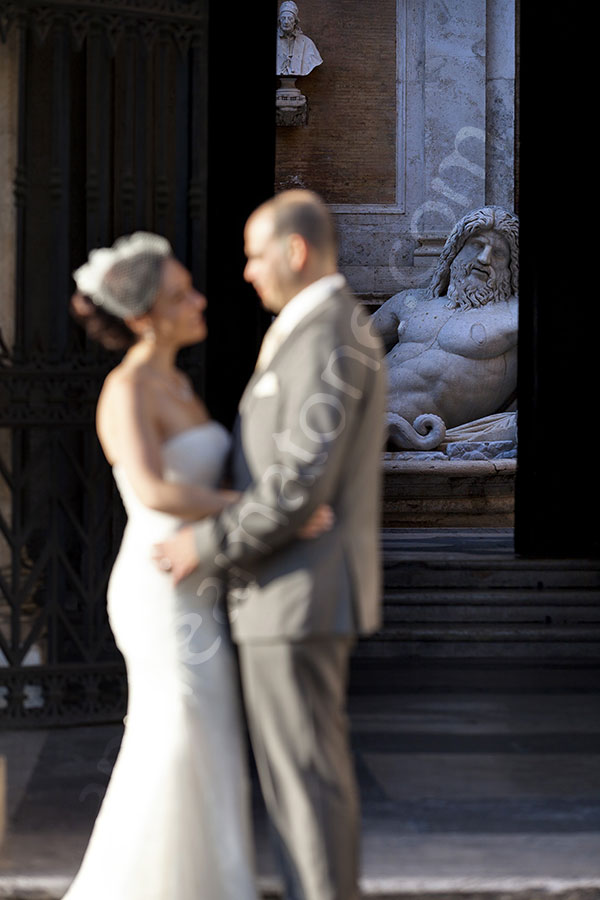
[(410, 126), (351, 106)]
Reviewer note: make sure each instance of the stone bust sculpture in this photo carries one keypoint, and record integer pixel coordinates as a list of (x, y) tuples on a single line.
[(452, 348), (296, 53)]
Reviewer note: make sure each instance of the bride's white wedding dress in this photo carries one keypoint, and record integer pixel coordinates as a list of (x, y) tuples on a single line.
[(175, 820)]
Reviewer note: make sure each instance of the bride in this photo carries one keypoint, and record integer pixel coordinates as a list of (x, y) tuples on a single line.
[(175, 820)]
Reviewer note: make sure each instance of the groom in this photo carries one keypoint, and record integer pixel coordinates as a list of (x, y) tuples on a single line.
[(310, 431)]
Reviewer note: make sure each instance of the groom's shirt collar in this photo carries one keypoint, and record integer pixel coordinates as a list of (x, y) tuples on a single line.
[(293, 312)]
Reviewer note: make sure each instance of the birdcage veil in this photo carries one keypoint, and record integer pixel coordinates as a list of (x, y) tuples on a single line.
[(123, 279)]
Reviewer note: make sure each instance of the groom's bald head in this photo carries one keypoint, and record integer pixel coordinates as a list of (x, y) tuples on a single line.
[(304, 213), (290, 242)]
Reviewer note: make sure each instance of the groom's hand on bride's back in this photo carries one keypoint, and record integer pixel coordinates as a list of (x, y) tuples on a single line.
[(322, 520), (177, 556)]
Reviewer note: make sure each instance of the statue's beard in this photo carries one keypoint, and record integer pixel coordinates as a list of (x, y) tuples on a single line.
[(288, 34), (467, 293)]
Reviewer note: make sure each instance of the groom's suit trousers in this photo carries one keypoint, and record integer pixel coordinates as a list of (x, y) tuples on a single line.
[(295, 701), (310, 431)]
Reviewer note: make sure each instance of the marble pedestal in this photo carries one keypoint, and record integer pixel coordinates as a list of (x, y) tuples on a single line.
[(448, 493), (291, 106)]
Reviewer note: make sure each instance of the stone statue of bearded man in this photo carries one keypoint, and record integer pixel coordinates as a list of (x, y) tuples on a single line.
[(452, 348), (296, 53)]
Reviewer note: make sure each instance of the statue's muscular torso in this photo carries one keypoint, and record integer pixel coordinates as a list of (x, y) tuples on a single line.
[(459, 364)]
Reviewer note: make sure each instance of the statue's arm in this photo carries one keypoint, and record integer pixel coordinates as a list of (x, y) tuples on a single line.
[(385, 321)]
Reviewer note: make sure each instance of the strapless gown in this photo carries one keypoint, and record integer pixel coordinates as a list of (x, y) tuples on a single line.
[(175, 820)]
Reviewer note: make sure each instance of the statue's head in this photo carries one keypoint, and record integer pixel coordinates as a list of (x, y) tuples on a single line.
[(480, 260), (288, 17)]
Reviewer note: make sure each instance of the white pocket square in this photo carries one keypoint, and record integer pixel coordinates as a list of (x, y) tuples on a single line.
[(266, 386)]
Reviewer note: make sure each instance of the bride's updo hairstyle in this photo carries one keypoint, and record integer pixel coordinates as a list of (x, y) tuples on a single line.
[(118, 283)]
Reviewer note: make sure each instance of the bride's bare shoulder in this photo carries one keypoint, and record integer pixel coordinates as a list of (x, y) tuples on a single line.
[(126, 378), (127, 392), (124, 387)]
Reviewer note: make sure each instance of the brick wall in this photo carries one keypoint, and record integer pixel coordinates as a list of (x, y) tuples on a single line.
[(347, 151)]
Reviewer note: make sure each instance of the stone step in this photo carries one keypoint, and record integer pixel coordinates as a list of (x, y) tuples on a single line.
[(464, 593), (395, 888), (445, 633), (478, 573), (464, 796), (470, 889), (498, 649), (453, 545), (456, 605), (382, 669)]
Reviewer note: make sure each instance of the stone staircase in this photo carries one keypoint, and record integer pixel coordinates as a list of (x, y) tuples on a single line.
[(475, 722), (459, 601)]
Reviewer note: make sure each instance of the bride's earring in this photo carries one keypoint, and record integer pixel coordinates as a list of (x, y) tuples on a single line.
[(150, 335)]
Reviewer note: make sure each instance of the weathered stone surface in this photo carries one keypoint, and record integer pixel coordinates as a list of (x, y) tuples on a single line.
[(443, 493), (292, 118), (469, 793), (481, 450)]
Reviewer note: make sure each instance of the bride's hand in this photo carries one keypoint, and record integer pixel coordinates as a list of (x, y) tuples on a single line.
[(322, 520)]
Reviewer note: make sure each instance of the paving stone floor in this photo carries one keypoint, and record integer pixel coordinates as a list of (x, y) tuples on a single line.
[(464, 794)]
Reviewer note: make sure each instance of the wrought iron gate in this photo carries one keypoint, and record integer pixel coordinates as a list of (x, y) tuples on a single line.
[(111, 138)]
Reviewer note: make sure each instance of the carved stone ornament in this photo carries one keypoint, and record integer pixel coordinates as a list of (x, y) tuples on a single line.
[(181, 22), (290, 103)]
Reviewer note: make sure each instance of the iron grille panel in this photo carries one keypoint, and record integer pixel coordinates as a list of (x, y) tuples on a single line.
[(111, 138)]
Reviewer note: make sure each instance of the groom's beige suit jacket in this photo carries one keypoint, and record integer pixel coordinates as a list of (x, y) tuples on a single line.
[(310, 431)]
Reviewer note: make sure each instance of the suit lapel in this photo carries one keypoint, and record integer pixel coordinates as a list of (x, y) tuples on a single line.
[(300, 327), (247, 397)]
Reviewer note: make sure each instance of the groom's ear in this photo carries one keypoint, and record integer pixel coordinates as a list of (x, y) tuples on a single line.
[(297, 252)]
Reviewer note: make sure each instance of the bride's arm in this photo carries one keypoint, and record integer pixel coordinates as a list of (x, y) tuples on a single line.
[(128, 412), (126, 409)]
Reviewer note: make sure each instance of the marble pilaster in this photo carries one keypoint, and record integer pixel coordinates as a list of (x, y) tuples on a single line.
[(500, 103), (455, 135)]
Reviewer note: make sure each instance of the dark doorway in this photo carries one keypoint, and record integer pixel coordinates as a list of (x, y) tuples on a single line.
[(558, 481), (130, 117)]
